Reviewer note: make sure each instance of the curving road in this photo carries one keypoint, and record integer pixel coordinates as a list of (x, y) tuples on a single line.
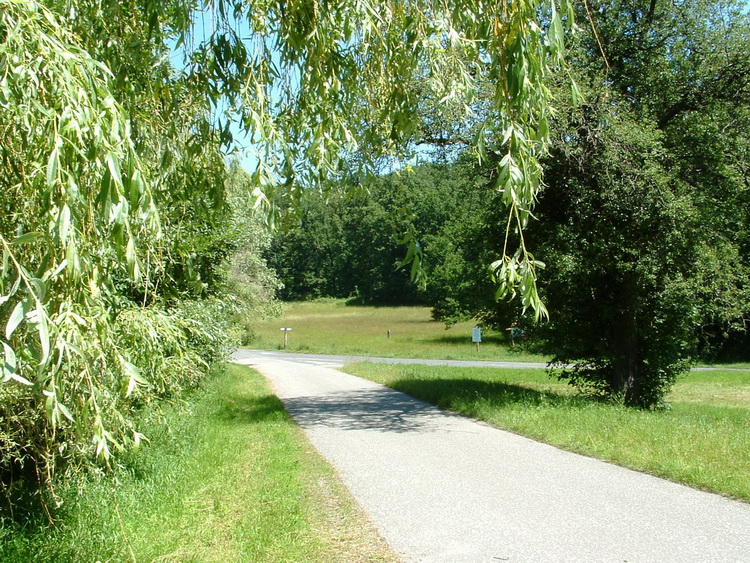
[(443, 488)]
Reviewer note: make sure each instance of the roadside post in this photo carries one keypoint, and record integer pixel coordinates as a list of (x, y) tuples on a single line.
[(476, 336), (286, 336), (516, 332)]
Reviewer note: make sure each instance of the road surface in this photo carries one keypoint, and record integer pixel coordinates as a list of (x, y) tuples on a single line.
[(443, 488)]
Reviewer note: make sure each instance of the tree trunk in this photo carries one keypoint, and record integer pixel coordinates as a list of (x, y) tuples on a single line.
[(627, 368)]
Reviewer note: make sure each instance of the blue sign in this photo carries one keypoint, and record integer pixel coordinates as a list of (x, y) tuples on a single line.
[(476, 334)]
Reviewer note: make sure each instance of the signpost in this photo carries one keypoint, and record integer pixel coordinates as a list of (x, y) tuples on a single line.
[(476, 336), (286, 336)]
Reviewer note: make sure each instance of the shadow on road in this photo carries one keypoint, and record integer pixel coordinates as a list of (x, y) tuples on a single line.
[(386, 411)]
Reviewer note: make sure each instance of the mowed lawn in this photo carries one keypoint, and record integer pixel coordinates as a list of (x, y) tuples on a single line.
[(333, 327)]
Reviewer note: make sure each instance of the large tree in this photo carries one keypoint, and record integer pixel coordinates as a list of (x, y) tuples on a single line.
[(643, 222), (643, 217)]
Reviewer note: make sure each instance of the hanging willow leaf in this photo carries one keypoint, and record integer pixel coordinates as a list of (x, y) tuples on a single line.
[(15, 319), (27, 238), (10, 365)]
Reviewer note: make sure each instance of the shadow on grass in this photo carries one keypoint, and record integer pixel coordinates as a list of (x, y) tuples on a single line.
[(464, 395), (244, 409)]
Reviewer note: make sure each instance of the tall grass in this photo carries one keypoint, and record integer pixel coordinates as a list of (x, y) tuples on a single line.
[(333, 327), (228, 477), (703, 440)]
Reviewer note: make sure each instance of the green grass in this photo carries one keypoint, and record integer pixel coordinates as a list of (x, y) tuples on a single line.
[(333, 327), (702, 441), (229, 478)]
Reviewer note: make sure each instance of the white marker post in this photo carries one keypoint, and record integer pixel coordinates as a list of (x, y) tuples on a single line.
[(286, 335)]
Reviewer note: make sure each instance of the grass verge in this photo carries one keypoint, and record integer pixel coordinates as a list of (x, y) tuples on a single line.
[(228, 477), (333, 327), (701, 441)]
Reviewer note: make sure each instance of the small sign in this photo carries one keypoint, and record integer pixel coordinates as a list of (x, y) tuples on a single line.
[(476, 334)]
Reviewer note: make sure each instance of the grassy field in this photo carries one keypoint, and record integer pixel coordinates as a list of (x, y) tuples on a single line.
[(229, 478), (332, 327), (703, 440)]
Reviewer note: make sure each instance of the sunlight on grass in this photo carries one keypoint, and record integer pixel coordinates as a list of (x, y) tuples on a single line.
[(701, 441), (332, 327), (230, 478)]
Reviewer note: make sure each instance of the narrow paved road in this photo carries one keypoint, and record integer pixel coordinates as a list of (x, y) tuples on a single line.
[(443, 488), (327, 360)]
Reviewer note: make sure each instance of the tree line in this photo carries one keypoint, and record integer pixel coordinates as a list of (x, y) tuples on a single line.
[(643, 221)]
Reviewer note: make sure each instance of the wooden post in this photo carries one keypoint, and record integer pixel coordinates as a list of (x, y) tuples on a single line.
[(286, 336)]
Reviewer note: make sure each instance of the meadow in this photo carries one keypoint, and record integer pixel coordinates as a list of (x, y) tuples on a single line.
[(333, 327)]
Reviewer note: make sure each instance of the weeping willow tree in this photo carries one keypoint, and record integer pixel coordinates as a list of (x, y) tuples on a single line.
[(114, 181)]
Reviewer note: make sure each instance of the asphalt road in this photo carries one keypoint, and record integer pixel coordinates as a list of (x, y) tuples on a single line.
[(443, 488), (324, 360)]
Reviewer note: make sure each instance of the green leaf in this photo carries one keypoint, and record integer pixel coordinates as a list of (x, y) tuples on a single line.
[(576, 96), (63, 224), (40, 289), (71, 261), (113, 164), (415, 268), (12, 292), (134, 377), (49, 406), (22, 380), (42, 327), (52, 165), (9, 363), (16, 318), (542, 132), (26, 238), (65, 412)]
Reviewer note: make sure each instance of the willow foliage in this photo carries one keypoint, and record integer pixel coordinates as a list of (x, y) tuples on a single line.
[(105, 187), (75, 206), (113, 179), (324, 81)]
